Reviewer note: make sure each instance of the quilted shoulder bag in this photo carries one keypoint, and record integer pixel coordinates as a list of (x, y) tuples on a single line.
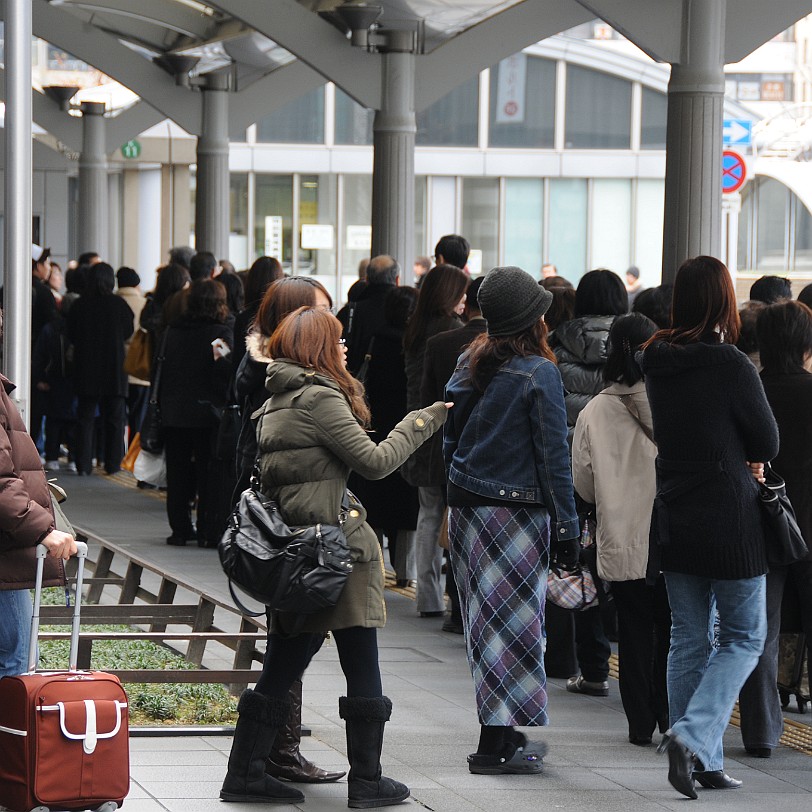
[(289, 569)]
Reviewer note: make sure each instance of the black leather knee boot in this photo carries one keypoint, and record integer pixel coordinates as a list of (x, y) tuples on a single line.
[(285, 761)]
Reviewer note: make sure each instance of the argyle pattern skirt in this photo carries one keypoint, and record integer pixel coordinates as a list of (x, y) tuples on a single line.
[(500, 557)]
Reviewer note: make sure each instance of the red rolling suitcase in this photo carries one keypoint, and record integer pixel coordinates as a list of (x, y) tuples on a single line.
[(64, 736)]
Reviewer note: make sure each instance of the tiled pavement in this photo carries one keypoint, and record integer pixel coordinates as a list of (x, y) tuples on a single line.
[(590, 766)]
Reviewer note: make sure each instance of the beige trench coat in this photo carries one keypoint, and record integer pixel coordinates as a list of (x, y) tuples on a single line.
[(613, 467)]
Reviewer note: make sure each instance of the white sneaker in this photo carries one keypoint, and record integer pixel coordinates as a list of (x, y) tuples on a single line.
[(52, 465), (71, 467)]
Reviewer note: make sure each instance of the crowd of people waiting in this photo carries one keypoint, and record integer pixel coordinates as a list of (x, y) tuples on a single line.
[(577, 433)]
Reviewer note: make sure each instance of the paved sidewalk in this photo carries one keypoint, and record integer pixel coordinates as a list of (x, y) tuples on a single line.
[(590, 764)]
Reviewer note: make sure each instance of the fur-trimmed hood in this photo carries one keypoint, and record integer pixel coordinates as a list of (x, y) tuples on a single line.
[(253, 346)]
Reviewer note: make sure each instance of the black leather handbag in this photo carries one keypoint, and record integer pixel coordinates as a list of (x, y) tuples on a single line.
[(289, 569), (785, 542)]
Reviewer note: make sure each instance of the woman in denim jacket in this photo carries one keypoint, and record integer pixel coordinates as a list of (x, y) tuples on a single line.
[(510, 488)]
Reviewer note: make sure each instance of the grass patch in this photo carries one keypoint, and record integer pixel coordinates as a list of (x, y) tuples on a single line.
[(150, 703)]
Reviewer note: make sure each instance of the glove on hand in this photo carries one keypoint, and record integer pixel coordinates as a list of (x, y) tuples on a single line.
[(566, 553)]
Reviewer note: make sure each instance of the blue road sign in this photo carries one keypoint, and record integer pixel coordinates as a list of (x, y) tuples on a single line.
[(737, 132)]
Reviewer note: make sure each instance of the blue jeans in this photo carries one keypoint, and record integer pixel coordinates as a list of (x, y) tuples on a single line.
[(703, 681), (15, 631), (428, 553)]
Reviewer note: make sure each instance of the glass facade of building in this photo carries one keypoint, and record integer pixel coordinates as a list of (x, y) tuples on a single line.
[(556, 178)]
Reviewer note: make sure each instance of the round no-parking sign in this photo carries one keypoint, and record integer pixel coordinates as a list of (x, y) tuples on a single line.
[(734, 171)]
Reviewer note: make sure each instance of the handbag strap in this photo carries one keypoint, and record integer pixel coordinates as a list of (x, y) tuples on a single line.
[(368, 353), (631, 407), (255, 480), (239, 604), (159, 363)]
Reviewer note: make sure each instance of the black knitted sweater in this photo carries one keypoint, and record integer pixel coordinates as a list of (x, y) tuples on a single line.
[(710, 418)]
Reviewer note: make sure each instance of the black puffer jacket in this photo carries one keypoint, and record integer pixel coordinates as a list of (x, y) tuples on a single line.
[(581, 347), (250, 392)]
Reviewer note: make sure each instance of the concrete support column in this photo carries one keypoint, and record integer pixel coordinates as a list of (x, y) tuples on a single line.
[(93, 198), (693, 164), (17, 211), (176, 204), (212, 193), (129, 216), (393, 163)]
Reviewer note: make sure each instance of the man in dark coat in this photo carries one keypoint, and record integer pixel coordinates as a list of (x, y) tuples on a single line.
[(43, 311), (98, 325), (383, 273), (442, 352)]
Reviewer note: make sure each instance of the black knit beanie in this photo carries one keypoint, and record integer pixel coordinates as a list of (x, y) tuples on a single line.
[(127, 278), (511, 301)]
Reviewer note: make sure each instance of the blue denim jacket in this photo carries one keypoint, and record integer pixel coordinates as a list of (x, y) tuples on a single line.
[(514, 444)]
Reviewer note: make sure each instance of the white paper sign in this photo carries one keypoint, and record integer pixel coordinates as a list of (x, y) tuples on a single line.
[(510, 89), (316, 237), (359, 238), (273, 237)]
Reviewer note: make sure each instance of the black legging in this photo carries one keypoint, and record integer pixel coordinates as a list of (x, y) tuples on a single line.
[(287, 657)]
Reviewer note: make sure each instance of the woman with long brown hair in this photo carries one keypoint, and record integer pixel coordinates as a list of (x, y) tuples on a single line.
[(511, 503), (281, 297), (439, 306), (311, 434), (714, 430)]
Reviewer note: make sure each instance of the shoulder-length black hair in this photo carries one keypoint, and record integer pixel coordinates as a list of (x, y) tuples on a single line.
[(601, 293), (626, 335), (235, 294), (171, 279), (784, 332), (263, 272), (102, 280), (440, 292)]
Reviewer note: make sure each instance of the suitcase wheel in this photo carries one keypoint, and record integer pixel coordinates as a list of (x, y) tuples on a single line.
[(784, 695), (801, 705), (107, 806), (40, 809)]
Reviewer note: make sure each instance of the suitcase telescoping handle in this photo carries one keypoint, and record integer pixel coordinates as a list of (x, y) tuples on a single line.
[(42, 552)]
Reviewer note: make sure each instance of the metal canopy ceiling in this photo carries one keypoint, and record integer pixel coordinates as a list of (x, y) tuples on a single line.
[(188, 27), (277, 50)]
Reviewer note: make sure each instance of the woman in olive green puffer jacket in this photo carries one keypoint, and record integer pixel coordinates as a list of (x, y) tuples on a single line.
[(311, 435)]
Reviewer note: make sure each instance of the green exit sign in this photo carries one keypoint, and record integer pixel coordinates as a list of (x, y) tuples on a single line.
[(132, 149)]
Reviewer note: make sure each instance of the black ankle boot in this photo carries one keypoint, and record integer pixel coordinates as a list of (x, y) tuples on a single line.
[(365, 718), (716, 779), (286, 761), (681, 763), (259, 721)]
